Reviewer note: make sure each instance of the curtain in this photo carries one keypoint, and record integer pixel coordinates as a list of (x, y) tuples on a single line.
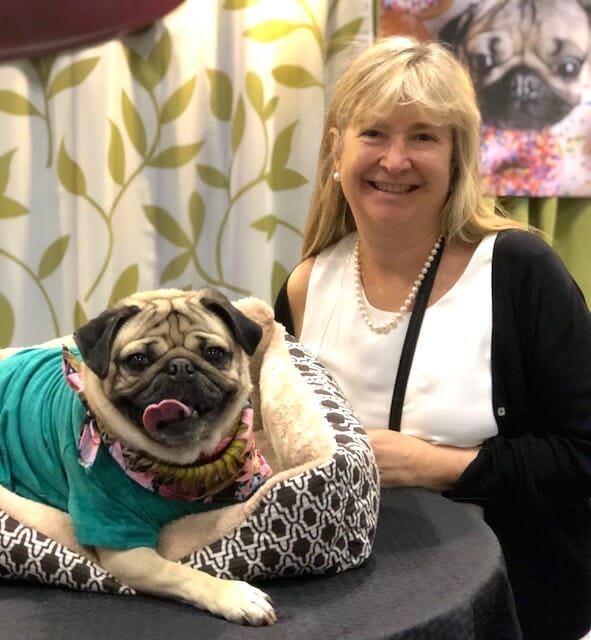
[(179, 155)]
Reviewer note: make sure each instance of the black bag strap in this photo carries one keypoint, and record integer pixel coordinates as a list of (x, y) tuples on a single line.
[(410, 341)]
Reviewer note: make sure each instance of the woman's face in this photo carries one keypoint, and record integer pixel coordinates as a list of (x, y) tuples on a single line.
[(395, 170)]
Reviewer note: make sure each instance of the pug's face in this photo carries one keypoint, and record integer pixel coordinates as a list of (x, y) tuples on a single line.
[(167, 371), (527, 58)]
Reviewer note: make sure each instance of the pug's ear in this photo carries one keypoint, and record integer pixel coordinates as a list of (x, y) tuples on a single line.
[(247, 333), (95, 338), (586, 4), (455, 31)]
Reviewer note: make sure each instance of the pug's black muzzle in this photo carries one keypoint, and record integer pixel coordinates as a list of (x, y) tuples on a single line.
[(204, 396), (521, 99)]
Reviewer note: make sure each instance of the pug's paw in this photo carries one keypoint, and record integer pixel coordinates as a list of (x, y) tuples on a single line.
[(242, 603)]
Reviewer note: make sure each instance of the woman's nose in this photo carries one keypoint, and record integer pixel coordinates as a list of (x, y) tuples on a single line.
[(396, 156)]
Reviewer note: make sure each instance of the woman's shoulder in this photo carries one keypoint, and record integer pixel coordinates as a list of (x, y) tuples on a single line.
[(330, 256), (297, 283), (521, 243), (517, 249), (525, 258), (291, 299)]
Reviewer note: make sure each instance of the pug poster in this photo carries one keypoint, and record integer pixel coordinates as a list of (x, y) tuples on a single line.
[(529, 61)]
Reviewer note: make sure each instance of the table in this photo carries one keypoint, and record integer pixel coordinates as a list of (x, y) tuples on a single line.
[(436, 572)]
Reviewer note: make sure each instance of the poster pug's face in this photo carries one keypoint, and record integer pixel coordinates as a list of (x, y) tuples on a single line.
[(527, 58), (167, 370)]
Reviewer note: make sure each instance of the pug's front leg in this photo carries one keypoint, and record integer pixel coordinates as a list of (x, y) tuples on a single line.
[(145, 570)]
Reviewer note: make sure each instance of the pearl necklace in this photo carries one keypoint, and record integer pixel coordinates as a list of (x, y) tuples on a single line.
[(390, 325)]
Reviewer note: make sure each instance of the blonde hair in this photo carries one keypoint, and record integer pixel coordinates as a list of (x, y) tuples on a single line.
[(399, 71)]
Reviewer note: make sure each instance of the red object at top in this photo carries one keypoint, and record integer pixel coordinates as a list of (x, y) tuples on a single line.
[(30, 28)]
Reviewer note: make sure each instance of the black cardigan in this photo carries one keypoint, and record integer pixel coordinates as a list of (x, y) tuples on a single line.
[(534, 478)]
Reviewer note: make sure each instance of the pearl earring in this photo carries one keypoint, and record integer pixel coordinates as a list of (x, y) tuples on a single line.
[(336, 176)]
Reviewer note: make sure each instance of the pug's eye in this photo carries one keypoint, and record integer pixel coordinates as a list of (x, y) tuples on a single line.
[(216, 356), (568, 68), (481, 63), (137, 362)]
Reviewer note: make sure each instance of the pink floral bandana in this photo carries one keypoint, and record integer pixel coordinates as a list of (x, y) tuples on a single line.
[(234, 471)]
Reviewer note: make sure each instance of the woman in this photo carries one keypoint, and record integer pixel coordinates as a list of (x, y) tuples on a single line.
[(497, 408)]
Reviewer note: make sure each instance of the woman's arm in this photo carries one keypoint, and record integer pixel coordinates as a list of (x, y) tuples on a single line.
[(291, 300), (541, 368), (406, 461)]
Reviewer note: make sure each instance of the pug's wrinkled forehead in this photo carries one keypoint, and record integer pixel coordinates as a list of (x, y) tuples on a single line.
[(178, 310), (170, 317), (177, 313), (167, 300), (167, 322)]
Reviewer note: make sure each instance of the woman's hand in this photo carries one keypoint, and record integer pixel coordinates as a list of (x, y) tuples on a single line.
[(406, 461)]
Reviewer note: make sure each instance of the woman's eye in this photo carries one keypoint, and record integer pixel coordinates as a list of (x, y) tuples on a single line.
[(425, 137), (370, 133), (215, 356), (137, 362)]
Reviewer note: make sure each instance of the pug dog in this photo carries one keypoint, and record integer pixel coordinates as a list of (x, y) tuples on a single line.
[(161, 387), (528, 59)]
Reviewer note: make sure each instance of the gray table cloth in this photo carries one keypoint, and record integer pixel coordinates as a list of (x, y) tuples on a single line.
[(436, 572)]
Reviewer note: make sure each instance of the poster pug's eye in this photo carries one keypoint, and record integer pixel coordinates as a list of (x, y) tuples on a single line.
[(529, 65)]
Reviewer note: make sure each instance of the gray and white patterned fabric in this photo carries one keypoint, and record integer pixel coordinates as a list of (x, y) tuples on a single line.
[(320, 521), (29, 555)]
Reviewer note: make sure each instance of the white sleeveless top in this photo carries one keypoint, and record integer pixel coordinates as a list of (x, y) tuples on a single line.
[(449, 393)]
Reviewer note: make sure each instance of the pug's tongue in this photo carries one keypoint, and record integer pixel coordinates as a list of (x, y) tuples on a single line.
[(164, 411)]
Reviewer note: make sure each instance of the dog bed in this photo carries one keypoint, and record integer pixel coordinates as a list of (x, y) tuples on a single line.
[(316, 514)]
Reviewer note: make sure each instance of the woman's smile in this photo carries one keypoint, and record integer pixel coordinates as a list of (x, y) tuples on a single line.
[(394, 188)]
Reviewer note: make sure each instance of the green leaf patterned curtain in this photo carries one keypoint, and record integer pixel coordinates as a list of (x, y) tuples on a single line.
[(179, 155)]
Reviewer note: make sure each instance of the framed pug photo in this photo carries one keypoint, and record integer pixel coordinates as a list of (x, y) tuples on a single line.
[(529, 62)]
